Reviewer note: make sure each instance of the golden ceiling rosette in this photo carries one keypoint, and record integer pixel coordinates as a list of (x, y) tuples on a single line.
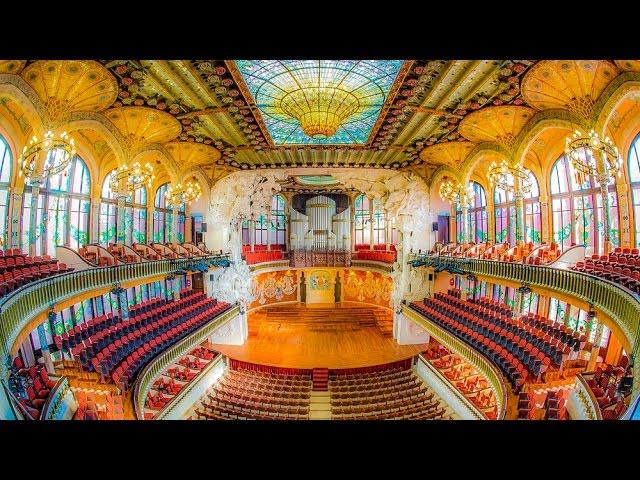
[(188, 154), (500, 124)]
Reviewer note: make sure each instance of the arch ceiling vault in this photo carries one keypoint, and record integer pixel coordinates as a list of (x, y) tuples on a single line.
[(215, 117)]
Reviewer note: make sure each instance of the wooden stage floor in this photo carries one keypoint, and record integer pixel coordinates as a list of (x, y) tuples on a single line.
[(333, 336)]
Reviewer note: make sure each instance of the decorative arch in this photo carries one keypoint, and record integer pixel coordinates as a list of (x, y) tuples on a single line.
[(481, 153)]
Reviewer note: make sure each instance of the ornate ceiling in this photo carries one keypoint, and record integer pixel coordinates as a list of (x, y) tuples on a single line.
[(416, 115)]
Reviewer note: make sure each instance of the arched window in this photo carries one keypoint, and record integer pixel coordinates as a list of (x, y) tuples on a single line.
[(634, 178), (181, 220), (62, 217), (277, 227), (162, 216), (108, 213), (505, 209), (363, 232), (135, 215), (6, 161), (577, 209), (379, 223), (478, 214), (532, 213)]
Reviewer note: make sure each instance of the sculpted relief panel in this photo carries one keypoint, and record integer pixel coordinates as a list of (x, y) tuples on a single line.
[(274, 287)]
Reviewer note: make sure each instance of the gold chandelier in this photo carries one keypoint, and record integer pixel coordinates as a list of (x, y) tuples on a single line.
[(127, 179), (455, 192), (583, 150), (179, 194), (320, 109), (43, 158), (506, 176)]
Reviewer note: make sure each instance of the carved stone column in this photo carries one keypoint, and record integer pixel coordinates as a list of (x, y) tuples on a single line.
[(94, 221), (120, 227)]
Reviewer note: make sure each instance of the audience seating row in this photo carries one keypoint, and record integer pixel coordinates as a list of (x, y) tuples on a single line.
[(376, 255)]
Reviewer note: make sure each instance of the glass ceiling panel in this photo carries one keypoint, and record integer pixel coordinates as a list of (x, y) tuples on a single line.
[(319, 101)]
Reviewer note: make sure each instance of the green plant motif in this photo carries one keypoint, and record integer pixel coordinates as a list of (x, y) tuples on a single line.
[(481, 236), (108, 235), (80, 236), (502, 235), (533, 235), (139, 237), (79, 314), (459, 237), (564, 233), (180, 237)]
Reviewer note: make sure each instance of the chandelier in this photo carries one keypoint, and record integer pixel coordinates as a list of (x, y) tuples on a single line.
[(128, 179), (320, 109), (455, 192), (179, 194), (43, 158), (582, 151), (506, 176)]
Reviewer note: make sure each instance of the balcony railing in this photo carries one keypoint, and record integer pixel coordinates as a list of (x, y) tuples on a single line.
[(24, 304), (585, 403), (171, 355), (618, 303), (469, 354)]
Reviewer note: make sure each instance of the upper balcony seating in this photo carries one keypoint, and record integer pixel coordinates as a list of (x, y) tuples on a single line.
[(396, 393), (18, 269), (248, 394), (622, 268), (544, 255), (604, 383), (376, 255), (120, 254), (476, 251), (496, 252), (517, 346), (263, 256)]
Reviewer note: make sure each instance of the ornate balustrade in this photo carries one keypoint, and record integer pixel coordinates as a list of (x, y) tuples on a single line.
[(469, 354), (20, 307), (170, 356)]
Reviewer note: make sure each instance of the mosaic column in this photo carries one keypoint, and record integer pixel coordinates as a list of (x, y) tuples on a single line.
[(546, 227), (623, 209), (121, 294), (491, 220), (269, 231), (120, 227), (173, 232), (94, 221), (595, 350), (465, 223), (252, 234), (604, 179), (35, 193), (352, 215), (519, 201), (16, 213), (371, 224), (44, 348)]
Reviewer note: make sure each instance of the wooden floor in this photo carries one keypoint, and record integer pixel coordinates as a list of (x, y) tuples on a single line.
[(343, 335)]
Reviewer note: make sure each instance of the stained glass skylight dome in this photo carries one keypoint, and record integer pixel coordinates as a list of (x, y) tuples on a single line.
[(319, 101)]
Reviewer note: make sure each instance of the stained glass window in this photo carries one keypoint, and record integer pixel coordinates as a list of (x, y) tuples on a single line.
[(577, 213), (478, 214), (363, 231), (634, 178), (379, 223), (5, 182), (505, 211), (293, 93), (62, 216), (162, 216), (277, 228), (135, 215)]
